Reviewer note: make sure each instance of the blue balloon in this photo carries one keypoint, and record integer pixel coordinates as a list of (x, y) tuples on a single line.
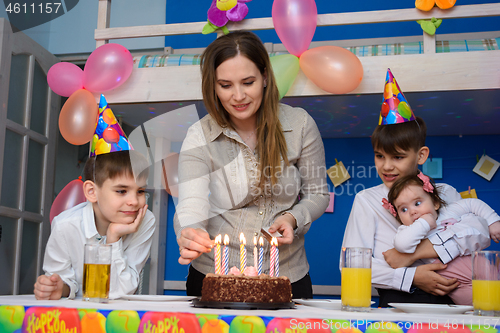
[(123, 144), (101, 126)]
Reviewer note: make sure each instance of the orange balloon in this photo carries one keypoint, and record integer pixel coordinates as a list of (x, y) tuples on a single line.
[(170, 170), (332, 68), (78, 117)]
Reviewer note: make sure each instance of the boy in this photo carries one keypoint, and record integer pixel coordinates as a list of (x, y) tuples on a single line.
[(115, 213), (399, 147)]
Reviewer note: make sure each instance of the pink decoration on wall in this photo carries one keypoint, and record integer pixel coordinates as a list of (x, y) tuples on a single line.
[(329, 209)]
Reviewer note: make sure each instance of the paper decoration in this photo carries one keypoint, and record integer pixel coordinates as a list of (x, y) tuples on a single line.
[(329, 209), (338, 173), (486, 167), (433, 168), (469, 194)]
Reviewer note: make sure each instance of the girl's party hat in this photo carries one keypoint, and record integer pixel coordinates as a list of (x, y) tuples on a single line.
[(395, 107), (109, 136)]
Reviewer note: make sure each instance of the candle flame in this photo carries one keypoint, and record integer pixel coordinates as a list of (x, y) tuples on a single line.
[(242, 239), (218, 239), (261, 241), (255, 240), (226, 239), (274, 241)]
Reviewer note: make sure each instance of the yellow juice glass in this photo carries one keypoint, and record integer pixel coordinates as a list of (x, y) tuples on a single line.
[(96, 272), (356, 285), (486, 283)]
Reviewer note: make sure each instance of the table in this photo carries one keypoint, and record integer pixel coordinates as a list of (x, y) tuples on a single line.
[(25, 314)]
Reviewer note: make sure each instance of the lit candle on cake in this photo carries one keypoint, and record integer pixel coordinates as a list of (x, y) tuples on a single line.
[(272, 264), (261, 254), (255, 252), (225, 256), (243, 253), (217, 255)]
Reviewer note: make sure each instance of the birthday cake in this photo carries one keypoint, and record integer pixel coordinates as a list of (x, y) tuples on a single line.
[(249, 289)]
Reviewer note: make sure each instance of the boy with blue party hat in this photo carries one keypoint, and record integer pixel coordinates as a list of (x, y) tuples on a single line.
[(399, 148), (115, 213)]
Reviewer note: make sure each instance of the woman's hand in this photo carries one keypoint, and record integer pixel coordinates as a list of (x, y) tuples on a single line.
[(284, 224), (192, 243), (431, 282)]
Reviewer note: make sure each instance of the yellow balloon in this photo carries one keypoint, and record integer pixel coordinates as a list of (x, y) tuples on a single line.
[(395, 89), (102, 147), (226, 5)]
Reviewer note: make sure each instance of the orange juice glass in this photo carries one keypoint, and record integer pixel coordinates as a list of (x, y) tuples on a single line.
[(486, 283), (356, 285)]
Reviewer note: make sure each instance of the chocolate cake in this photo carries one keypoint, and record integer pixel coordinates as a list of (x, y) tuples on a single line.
[(248, 289)]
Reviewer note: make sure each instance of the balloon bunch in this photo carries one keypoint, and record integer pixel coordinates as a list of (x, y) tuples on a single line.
[(107, 67), (332, 68)]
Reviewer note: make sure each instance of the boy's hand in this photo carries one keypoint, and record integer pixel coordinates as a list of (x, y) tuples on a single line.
[(284, 224), (431, 282), (495, 231), (49, 287), (192, 243), (397, 259), (430, 219), (117, 230)]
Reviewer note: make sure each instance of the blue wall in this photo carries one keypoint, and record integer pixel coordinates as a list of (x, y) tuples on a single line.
[(324, 239)]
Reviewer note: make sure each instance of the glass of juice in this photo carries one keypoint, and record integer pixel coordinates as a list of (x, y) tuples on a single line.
[(96, 272), (356, 284), (486, 283)]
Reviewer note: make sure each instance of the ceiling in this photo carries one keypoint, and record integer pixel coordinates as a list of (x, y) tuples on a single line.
[(465, 112)]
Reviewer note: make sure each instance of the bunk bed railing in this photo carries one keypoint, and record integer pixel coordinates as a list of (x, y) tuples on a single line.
[(103, 33)]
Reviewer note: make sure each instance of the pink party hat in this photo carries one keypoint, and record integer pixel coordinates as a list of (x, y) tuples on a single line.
[(395, 107), (109, 136)]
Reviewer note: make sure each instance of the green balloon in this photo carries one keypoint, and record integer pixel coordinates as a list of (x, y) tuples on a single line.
[(285, 68), (404, 110)]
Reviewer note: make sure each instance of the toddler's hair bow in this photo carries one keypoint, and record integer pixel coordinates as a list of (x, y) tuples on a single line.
[(427, 184), (387, 205)]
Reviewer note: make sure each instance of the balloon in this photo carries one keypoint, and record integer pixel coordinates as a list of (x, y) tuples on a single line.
[(70, 196), (78, 117), (107, 67), (295, 23), (285, 68), (332, 68), (170, 169), (65, 78)]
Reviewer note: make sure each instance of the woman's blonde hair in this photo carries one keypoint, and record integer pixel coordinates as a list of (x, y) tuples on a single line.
[(271, 144)]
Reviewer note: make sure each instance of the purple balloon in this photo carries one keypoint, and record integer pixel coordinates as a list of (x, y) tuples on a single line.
[(295, 23), (65, 78), (107, 67)]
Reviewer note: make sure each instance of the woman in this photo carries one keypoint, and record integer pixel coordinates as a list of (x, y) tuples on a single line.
[(245, 165)]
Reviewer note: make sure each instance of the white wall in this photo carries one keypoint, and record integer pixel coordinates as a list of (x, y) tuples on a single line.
[(73, 32)]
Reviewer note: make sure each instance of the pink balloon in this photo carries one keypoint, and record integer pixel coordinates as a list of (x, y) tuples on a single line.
[(65, 78), (332, 68), (107, 67), (70, 196), (295, 23)]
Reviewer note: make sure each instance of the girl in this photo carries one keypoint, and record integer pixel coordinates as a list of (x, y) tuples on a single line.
[(415, 202)]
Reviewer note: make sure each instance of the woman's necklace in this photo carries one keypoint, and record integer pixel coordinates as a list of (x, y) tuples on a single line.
[(248, 137)]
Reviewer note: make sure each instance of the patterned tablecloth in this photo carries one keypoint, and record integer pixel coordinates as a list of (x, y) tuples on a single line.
[(25, 314)]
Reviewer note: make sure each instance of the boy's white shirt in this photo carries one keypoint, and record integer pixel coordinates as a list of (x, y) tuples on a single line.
[(372, 226), (74, 228), (408, 237)]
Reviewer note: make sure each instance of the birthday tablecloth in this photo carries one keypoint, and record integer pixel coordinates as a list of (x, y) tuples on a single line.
[(26, 314)]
